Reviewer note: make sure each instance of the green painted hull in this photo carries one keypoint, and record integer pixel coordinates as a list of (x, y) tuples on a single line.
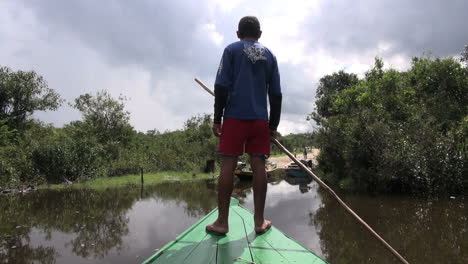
[(240, 245)]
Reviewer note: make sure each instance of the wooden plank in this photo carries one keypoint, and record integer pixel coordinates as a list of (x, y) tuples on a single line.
[(262, 252), (241, 245), (198, 232), (201, 252), (275, 247), (205, 252), (234, 247)]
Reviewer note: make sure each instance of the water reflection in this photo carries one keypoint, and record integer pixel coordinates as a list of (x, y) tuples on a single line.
[(424, 231), (91, 224), (127, 225), (97, 220), (14, 250), (303, 183)]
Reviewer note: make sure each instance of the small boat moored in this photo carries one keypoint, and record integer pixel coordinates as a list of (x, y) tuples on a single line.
[(245, 173), (293, 170)]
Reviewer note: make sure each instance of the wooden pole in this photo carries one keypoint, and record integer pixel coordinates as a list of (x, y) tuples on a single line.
[(204, 86), (141, 173), (321, 183)]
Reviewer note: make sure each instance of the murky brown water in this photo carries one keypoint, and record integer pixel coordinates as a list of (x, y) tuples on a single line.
[(127, 225)]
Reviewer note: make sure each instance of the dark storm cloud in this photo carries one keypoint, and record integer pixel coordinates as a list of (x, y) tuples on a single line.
[(156, 34), (411, 27), (173, 41)]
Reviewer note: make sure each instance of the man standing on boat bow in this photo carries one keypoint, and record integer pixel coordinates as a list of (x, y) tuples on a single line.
[(247, 76)]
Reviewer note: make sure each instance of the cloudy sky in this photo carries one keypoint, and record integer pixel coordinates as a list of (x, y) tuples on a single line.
[(150, 51)]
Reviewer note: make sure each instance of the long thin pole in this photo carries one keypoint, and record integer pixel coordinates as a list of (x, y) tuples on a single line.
[(204, 86), (321, 183)]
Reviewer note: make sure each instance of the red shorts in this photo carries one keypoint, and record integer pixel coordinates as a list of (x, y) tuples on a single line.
[(249, 136)]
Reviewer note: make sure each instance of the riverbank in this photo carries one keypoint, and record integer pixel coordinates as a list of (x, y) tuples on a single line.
[(150, 178), (283, 160)]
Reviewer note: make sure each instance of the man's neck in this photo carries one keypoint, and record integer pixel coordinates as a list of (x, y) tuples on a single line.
[(250, 39)]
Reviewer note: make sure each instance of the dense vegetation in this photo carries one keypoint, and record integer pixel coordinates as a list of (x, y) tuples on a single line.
[(102, 144), (396, 131), (391, 131)]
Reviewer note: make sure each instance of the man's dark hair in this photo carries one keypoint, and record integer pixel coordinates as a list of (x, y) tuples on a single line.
[(249, 27)]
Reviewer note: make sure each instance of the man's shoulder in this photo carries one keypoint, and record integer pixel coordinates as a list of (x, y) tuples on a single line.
[(234, 45), (240, 46), (265, 49), (241, 43)]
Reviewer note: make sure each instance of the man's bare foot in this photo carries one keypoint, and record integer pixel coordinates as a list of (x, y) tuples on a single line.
[(217, 229), (263, 227)]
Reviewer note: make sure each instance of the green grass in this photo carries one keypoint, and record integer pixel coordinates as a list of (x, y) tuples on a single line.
[(151, 178)]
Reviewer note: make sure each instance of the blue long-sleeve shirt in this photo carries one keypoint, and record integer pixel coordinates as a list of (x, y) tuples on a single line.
[(249, 72)]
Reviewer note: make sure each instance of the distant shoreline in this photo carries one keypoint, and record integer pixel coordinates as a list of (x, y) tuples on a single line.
[(130, 180), (283, 161), (153, 178)]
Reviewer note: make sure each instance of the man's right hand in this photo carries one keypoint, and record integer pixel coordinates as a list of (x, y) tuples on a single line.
[(216, 129)]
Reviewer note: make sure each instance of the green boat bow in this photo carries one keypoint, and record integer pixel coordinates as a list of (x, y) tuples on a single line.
[(240, 245)]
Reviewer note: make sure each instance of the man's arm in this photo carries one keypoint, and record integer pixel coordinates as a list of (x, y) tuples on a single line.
[(275, 97), (275, 110), (221, 94), (223, 80)]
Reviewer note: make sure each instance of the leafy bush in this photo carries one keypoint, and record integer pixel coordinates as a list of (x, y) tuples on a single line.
[(396, 131), (61, 158)]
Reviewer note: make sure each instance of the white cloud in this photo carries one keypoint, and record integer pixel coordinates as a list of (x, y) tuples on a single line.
[(295, 124), (227, 6), (210, 31), (150, 51)]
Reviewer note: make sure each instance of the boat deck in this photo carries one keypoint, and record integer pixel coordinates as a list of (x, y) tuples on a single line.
[(240, 245)]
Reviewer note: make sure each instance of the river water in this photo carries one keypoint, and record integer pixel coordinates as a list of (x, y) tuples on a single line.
[(128, 224)]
